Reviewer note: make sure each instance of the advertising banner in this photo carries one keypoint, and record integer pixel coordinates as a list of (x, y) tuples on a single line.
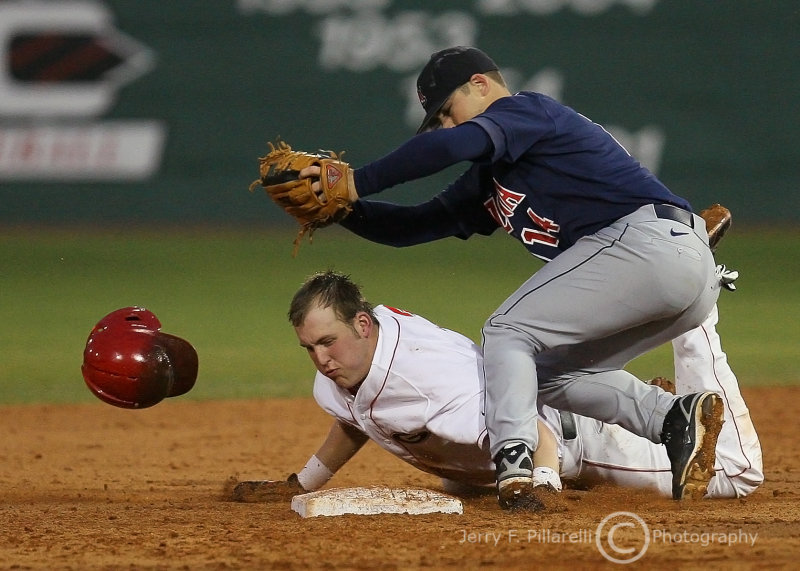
[(123, 111)]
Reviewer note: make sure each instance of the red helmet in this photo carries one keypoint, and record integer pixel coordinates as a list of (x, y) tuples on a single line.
[(130, 363)]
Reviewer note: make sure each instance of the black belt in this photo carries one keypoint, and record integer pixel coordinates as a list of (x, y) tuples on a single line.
[(669, 212)]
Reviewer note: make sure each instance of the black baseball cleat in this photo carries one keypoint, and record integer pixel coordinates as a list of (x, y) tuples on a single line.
[(690, 433), (514, 475)]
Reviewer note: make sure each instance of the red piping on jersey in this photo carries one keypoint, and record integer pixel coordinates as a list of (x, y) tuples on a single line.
[(352, 414), (733, 419), (622, 468), (385, 378)]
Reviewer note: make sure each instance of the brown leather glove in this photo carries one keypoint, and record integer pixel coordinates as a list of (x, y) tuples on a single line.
[(266, 491), (280, 176)]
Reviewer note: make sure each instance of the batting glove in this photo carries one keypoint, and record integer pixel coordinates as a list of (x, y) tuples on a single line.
[(726, 277)]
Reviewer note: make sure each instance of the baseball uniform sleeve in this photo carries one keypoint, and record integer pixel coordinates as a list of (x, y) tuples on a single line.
[(421, 156)]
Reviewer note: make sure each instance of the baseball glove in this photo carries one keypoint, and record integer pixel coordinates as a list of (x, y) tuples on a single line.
[(265, 491), (280, 177)]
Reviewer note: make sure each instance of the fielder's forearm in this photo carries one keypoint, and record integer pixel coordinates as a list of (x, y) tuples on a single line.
[(400, 225), (423, 156)]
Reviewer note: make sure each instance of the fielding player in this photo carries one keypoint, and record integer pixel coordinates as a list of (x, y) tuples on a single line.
[(417, 390)]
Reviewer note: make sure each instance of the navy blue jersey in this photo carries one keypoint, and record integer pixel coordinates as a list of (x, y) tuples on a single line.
[(554, 175), (547, 175)]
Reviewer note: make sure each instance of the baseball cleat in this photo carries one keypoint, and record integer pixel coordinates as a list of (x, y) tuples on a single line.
[(514, 475), (690, 433)]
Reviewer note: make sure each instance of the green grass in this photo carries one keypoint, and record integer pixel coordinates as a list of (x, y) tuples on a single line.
[(227, 292)]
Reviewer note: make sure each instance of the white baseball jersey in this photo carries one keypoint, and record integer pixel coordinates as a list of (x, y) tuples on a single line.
[(422, 400)]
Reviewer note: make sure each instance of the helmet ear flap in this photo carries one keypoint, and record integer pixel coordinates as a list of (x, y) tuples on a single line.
[(184, 363)]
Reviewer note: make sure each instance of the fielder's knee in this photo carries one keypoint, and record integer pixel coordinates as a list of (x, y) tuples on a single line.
[(495, 329)]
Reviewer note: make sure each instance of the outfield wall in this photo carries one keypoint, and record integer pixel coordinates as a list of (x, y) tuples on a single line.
[(155, 111)]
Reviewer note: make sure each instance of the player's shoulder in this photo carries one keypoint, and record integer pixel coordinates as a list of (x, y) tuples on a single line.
[(408, 320), (523, 110), (530, 99), (402, 324), (387, 311), (413, 330)]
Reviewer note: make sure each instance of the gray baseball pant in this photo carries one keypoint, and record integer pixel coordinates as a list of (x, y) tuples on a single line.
[(567, 333)]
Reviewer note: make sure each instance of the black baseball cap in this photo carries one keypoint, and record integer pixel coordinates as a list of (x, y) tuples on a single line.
[(446, 71)]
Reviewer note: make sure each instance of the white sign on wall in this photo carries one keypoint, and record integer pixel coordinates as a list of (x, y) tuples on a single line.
[(61, 66)]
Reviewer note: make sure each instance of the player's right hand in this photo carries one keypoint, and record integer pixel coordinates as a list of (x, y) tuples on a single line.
[(266, 491)]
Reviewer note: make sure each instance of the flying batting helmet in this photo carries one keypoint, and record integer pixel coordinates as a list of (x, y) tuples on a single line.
[(130, 363)]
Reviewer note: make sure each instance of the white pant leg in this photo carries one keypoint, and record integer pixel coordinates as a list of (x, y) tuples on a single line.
[(701, 365), (607, 453)]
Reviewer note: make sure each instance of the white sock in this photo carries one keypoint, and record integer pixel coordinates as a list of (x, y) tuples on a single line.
[(314, 474)]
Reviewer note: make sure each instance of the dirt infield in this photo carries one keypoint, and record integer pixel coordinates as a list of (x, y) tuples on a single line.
[(95, 487)]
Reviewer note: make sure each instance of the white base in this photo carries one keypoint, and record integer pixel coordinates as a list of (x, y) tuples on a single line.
[(376, 500)]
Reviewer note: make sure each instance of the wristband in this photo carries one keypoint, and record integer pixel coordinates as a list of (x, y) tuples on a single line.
[(314, 474)]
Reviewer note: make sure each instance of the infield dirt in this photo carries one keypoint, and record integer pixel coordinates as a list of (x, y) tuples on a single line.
[(90, 486)]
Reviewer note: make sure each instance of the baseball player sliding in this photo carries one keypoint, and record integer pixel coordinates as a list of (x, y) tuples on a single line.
[(417, 390)]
